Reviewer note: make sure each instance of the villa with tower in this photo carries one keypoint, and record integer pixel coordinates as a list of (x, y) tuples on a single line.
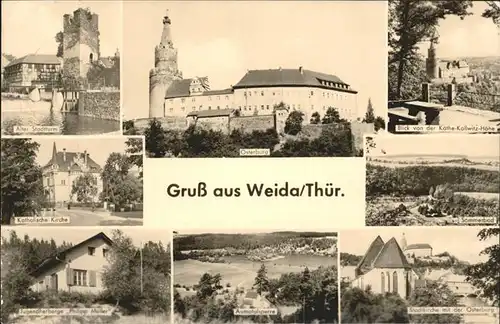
[(63, 169), (253, 98)]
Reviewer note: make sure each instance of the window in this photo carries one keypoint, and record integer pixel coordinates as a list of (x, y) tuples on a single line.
[(218, 97), (227, 97), (209, 107), (293, 107), (274, 93), (262, 107), (171, 109), (104, 252), (218, 107), (193, 108), (91, 250), (183, 99), (262, 93), (382, 282), (63, 182), (227, 107), (255, 92), (193, 100), (298, 107), (79, 277), (244, 93), (395, 282), (312, 93), (388, 277), (267, 107), (312, 107)]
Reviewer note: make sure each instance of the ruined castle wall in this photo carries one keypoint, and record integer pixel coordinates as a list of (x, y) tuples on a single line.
[(358, 130), (249, 124), (99, 104)]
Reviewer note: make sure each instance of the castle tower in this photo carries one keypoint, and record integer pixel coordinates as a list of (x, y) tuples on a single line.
[(164, 72), (431, 63), (80, 42), (403, 244)]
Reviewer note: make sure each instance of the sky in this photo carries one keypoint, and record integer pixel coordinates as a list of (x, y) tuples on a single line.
[(448, 144), (473, 36), (222, 40), (36, 23), (461, 242), (79, 234), (98, 148)]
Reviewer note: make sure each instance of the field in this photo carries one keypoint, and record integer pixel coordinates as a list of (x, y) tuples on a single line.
[(241, 272), (481, 195), (401, 163)]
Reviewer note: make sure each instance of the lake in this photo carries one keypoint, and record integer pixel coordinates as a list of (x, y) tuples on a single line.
[(27, 113)]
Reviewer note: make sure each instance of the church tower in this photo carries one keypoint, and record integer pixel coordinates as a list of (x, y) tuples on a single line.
[(164, 72), (431, 63), (403, 244)]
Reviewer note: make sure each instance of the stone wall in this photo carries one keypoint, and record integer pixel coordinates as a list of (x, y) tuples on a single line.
[(358, 130), (171, 123), (99, 104), (249, 124), (220, 123)]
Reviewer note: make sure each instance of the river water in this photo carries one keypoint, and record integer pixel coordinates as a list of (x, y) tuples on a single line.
[(19, 112)]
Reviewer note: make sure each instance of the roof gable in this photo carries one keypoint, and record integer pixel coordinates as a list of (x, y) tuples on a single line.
[(391, 256), (60, 257), (72, 159), (370, 256)]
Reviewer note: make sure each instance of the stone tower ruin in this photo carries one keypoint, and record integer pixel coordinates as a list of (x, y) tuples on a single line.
[(80, 42), (164, 72), (431, 63)]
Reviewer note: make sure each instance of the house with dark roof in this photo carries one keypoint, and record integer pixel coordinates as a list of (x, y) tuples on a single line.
[(40, 70), (77, 269), (63, 169), (384, 268)]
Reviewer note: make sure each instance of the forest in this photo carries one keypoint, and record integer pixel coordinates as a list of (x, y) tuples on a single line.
[(245, 241), (417, 180), (315, 293), (122, 287)]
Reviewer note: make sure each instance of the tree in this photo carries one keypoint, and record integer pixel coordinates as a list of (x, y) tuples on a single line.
[(155, 139), (493, 12), (21, 179), (379, 123), (411, 22), (119, 187), (331, 116), (85, 188), (434, 294), (60, 43), (261, 280), (293, 124), (135, 149), (179, 305), (370, 115), (485, 275), (315, 118), (208, 285)]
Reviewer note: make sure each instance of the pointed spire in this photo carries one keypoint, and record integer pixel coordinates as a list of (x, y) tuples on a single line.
[(166, 38), (54, 152)]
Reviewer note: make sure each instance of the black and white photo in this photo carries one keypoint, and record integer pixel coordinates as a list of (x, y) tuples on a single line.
[(86, 275), (61, 67), (419, 275), (79, 181), (253, 277), (200, 83), (444, 66), (437, 179)]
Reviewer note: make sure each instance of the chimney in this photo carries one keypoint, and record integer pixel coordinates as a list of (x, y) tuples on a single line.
[(64, 154), (300, 70), (85, 154)]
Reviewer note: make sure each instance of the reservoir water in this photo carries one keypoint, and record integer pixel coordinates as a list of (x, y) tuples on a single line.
[(19, 112)]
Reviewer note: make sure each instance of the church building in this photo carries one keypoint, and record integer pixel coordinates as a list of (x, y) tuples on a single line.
[(256, 93), (385, 269), (63, 169)]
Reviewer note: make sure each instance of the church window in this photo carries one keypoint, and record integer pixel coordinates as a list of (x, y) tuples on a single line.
[(382, 283), (362, 284), (395, 282), (388, 275)]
